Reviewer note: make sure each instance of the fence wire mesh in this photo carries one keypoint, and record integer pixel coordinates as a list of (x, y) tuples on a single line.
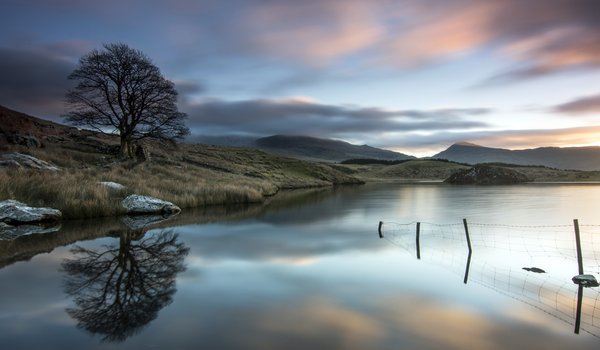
[(531, 264)]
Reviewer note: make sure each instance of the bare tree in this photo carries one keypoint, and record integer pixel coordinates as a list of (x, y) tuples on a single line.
[(120, 90)]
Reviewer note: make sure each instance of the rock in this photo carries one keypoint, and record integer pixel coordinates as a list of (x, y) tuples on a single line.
[(27, 161), (141, 154), (143, 221), (487, 175), (138, 204), (8, 232), (112, 185), (15, 213), (586, 280), (10, 164), (534, 269), (24, 140)]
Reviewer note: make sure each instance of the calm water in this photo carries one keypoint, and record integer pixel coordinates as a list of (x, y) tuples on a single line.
[(308, 270)]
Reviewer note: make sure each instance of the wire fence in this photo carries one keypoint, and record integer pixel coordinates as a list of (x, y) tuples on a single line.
[(531, 264)]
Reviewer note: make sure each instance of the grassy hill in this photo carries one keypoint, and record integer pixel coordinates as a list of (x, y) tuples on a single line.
[(187, 175)]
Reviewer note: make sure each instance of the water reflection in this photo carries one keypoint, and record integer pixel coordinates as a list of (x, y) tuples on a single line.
[(305, 270), (496, 266), (120, 288)]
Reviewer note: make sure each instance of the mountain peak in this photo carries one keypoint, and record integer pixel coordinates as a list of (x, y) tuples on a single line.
[(465, 143)]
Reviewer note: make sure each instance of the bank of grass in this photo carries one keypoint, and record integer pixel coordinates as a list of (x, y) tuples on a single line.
[(79, 194), (190, 176)]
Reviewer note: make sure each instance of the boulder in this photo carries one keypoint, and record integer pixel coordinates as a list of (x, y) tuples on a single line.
[(534, 269), (586, 280), (138, 204), (139, 222), (112, 185), (26, 161), (9, 232), (15, 213), (141, 154), (487, 175)]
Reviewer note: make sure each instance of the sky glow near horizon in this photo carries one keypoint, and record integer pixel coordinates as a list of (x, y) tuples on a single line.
[(409, 75)]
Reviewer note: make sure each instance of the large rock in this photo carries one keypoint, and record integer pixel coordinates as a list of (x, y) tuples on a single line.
[(112, 185), (8, 232), (487, 175), (20, 160), (139, 222), (15, 213), (138, 204)]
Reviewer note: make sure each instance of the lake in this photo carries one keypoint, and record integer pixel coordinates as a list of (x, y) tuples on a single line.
[(309, 270)]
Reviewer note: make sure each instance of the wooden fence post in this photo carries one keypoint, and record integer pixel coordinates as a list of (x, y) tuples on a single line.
[(467, 235), (418, 240), (578, 243)]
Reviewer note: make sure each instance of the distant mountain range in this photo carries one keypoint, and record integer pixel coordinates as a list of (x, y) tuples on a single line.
[(306, 147), (16, 127), (577, 158)]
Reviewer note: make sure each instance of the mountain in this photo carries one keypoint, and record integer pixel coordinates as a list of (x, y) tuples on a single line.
[(302, 147), (313, 148), (577, 158)]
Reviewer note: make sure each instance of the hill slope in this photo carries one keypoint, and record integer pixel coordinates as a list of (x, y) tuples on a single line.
[(187, 175), (313, 148), (578, 158)]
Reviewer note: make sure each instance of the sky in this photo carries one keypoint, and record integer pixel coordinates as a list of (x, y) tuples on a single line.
[(413, 76)]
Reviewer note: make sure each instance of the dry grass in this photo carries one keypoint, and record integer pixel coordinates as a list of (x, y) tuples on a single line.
[(190, 177), (78, 193)]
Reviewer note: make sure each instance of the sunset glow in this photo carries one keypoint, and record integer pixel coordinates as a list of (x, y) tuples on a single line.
[(412, 76)]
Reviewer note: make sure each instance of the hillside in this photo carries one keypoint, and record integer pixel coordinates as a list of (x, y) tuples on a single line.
[(305, 147), (412, 170), (188, 175), (577, 158), (312, 148), (438, 170)]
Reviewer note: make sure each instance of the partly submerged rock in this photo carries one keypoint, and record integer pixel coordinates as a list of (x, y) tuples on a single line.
[(586, 280), (138, 204), (20, 160), (534, 269), (144, 221), (15, 213), (112, 185), (487, 175), (8, 232)]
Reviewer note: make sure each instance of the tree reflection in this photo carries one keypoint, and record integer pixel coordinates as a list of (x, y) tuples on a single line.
[(119, 289)]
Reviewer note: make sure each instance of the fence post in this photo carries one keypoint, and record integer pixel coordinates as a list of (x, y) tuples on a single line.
[(379, 229), (578, 312), (467, 235), (418, 240), (578, 243), (466, 279)]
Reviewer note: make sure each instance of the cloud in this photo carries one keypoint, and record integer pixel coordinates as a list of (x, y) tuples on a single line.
[(33, 81), (584, 105), (431, 143), (361, 36), (299, 116)]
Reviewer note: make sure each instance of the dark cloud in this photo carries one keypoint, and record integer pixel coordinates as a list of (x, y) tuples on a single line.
[(189, 87), (296, 116), (584, 105), (33, 81)]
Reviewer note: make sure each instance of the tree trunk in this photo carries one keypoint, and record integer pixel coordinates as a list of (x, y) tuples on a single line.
[(125, 148)]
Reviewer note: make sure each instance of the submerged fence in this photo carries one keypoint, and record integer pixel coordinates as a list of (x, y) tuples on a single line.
[(531, 264)]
